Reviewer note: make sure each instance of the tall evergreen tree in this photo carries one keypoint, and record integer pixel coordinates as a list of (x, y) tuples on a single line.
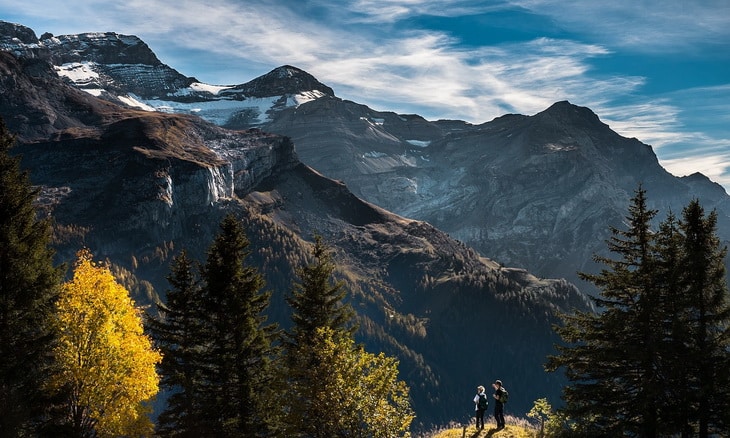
[(611, 357), (335, 388), (180, 337), (674, 306), (316, 300), (239, 372), (656, 360), (29, 286), (317, 304), (708, 313)]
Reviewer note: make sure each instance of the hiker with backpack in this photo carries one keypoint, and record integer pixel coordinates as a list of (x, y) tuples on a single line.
[(500, 397), (480, 406)]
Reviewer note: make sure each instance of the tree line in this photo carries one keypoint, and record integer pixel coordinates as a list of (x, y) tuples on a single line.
[(655, 359), (79, 359)]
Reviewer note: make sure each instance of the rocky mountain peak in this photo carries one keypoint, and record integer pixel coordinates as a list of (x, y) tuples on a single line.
[(565, 113), (21, 41), (284, 80), (12, 32), (101, 48)]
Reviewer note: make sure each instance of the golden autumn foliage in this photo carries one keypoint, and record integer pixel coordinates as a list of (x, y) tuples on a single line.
[(105, 362)]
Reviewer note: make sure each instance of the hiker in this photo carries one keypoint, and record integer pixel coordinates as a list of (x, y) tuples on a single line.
[(499, 392), (480, 406)]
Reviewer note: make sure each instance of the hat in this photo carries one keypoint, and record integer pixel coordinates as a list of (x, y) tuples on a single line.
[(498, 382)]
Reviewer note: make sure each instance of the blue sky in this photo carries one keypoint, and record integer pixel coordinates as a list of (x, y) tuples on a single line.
[(658, 70)]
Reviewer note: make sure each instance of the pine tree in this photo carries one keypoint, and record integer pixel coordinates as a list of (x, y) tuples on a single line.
[(336, 388), (239, 372), (708, 319), (29, 285), (674, 305), (656, 360), (357, 394), (180, 337), (104, 363), (316, 301), (317, 304), (610, 357)]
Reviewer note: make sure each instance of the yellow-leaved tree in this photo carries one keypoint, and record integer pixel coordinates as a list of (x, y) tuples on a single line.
[(105, 363)]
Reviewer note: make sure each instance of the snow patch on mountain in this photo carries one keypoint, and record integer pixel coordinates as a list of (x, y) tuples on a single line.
[(133, 102), (212, 89), (217, 111), (302, 98), (222, 110), (80, 73)]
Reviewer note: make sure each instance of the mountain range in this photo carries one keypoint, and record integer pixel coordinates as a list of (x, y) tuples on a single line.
[(538, 192), (137, 161)]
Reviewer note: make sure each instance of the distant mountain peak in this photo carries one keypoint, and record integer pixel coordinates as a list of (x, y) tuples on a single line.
[(16, 33), (284, 80), (287, 71), (101, 48), (568, 114), (565, 108)]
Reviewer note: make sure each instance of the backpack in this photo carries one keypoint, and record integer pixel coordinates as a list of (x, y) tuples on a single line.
[(483, 402), (503, 395)]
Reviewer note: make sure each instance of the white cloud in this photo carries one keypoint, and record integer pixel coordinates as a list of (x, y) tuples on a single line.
[(388, 11), (715, 167), (648, 25)]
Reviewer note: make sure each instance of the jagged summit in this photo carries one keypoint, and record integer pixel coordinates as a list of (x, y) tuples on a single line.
[(17, 33), (282, 81), (124, 70), (100, 48), (566, 113)]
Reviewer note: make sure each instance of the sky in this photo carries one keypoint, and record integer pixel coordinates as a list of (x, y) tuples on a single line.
[(657, 70)]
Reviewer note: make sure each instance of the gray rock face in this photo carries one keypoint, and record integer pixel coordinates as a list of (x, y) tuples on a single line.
[(128, 183), (15, 34), (538, 192), (118, 64)]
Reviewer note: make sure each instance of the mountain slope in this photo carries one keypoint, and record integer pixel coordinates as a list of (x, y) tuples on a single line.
[(136, 187)]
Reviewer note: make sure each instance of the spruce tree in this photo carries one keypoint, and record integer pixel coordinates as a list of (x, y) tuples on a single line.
[(610, 357), (655, 360), (180, 337), (316, 300), (239, 373), (674, 305), (708, 319), (317, 305), (29, 286)]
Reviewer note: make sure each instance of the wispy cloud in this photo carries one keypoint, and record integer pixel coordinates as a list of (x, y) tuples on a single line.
[(388, 11), (646, 26)]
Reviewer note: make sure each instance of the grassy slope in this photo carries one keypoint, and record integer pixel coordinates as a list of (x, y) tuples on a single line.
[(516, 428)]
